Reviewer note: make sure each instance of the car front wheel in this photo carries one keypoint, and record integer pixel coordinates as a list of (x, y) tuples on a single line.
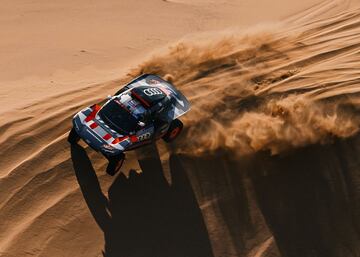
[(73, 137), (115, 163)]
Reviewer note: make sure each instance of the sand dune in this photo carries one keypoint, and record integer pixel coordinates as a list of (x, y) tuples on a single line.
[(272, 168), (276, 89)]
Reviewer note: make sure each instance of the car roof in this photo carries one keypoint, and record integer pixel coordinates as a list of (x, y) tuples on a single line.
[(180, 105)]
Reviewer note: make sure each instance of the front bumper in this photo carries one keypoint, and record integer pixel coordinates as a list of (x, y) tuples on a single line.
[(93, 140)]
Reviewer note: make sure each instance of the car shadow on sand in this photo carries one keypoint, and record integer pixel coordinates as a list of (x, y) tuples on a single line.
[(143, 215)]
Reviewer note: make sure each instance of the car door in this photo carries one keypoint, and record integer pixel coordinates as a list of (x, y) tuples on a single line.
[(144, 136)]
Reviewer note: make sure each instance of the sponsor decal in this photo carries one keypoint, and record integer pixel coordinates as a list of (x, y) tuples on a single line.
[(153, 81), (144, 136), (152, 91), (108, 147)]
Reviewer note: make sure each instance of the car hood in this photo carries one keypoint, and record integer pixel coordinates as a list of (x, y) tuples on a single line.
[(98, 134)]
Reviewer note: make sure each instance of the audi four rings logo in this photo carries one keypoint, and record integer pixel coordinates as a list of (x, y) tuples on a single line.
[(152, 91), (144, 136)]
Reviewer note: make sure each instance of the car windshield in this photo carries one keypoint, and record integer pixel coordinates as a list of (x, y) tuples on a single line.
[(118, 118)]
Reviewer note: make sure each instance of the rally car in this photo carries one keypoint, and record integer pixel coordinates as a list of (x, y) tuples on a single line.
[(144, 110)]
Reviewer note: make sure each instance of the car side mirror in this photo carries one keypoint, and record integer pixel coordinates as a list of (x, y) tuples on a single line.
[(109, 97)]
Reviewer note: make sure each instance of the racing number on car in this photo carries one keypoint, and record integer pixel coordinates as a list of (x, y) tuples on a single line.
[(144, 136)]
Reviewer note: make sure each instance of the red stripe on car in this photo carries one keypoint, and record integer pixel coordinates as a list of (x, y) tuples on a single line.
[(95, 108), (133, 139), (94, 125), (141, 99), (107, 137), (119, 139)]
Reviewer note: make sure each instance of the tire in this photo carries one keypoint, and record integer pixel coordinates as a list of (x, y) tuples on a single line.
[(174, 130), (115, 163), (73, 137)]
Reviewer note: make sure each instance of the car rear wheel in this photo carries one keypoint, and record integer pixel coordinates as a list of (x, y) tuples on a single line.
[(73, 137), (174, 130), (115, 163)]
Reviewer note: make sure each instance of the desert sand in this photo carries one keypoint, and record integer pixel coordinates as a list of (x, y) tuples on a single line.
[(268, 164)]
